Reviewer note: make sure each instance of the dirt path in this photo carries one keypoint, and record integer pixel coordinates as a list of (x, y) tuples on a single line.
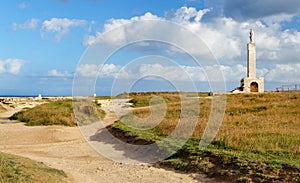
[(65, 148)]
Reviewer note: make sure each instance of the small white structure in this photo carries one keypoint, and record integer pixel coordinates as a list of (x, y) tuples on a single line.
[(251, 83)]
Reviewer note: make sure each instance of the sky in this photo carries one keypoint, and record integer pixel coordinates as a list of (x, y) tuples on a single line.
[(47, 46)]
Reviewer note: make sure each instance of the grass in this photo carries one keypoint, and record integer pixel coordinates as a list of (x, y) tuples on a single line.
[(18, 169), (259, 139), (58, 112)]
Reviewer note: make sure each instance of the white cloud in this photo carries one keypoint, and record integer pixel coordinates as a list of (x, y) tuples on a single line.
[(61, 26), (11, 66), (56, 73), (29, 24), (188, 14), (284, 73), (114, 23), (120, 36), (189, 18), (92, 70)]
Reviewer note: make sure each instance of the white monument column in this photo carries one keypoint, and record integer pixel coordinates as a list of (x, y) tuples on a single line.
[(251, 57), (251, 83)]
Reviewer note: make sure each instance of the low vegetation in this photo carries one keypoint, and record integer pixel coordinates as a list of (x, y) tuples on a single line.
[(58, 112), (259, 139), (18, 169)]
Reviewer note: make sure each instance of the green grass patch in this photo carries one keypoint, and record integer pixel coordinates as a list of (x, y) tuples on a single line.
[(58, 112), (53, 113), (18, 169)]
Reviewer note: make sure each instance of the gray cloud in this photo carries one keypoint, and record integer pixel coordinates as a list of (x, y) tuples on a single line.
[(243, 10)]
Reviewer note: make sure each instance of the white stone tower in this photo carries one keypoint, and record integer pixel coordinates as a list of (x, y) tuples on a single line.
[(251, 57), (251, 83)]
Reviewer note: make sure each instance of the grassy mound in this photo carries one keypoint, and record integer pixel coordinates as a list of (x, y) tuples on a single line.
[(18, 169), (58, 112), (259, 139), (53, 113)]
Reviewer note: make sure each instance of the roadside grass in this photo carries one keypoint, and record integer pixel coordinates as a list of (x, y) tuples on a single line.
[(58, 112), (259, 139), (18, 169), (103, 97)]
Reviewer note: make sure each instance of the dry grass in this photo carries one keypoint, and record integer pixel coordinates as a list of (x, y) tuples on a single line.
[(263, 122), (257, 122), (259, 139)]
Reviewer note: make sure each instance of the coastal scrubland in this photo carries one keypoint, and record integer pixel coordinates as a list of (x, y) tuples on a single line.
[(259, 139)]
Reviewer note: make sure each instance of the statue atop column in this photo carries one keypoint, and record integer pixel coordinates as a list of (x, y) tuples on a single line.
[(251, 36)]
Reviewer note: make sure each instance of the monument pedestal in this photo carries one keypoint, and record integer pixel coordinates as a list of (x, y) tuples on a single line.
[(250, 85)]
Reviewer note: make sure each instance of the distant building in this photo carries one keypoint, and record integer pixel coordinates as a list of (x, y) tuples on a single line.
[(251, 83)]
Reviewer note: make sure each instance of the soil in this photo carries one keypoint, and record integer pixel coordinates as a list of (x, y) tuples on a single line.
[(66, 149)]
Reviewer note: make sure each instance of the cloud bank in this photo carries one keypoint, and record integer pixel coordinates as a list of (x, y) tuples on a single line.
[(243, 10), (227, 36)]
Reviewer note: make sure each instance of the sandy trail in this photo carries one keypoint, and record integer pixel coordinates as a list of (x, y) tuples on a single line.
[(65, 148)]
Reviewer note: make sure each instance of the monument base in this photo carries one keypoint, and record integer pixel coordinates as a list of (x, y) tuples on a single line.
[(250, 85)]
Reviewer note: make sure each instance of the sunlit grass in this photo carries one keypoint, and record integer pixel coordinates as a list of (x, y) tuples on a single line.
[(257, 129), (58, 112)]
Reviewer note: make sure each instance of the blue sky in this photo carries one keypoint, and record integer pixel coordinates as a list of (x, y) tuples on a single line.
[(42, 42)]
